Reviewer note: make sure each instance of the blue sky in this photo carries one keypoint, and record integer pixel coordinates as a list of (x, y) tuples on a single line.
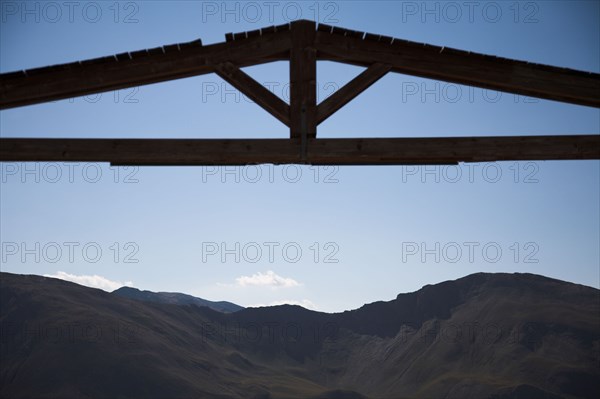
[(328, 238)]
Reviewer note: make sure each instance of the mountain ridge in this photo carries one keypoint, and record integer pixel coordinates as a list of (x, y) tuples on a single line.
[(176, 298), (494, 336)]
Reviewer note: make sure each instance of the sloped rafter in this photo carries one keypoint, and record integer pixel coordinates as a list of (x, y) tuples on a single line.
[(303, 44), (462, 67), (137, 68)]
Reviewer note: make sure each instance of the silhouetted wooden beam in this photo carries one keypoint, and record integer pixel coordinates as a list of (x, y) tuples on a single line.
[(519, 77), (153, 151), (255, 91), (350, 151), (272, 44), (303, 85), (350, 90), (451, 150), (135, 69)]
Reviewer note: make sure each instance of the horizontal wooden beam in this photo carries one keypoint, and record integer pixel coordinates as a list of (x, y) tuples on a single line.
[(135, 69), (462, 67), (348, 151), (152, 151), (255, 91), (451, 150), (350, 90)]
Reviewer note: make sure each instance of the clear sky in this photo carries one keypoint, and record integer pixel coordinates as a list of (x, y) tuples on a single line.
[(328, 238)]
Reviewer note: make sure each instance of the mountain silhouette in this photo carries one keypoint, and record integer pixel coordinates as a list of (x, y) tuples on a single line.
[(176, 299), (494, 336)]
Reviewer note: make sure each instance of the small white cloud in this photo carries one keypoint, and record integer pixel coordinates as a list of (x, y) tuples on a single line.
[(269, 279), (94, 281), (305, 303)]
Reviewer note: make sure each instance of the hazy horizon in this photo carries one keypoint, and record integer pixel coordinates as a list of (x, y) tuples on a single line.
[(98, 282)]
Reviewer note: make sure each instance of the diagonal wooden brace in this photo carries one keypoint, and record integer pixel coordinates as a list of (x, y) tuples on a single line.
[(350, 90), (255, 91)]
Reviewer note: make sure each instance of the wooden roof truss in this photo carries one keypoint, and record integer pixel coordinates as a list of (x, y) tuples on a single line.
[(303, 43)]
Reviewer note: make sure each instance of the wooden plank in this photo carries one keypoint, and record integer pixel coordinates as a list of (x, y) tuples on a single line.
[(255, 91), (253, 33), (324, 28), (456, 66), (268, 30), (193, 43), (303, 81), (351, 151), (75, 79), (355, 33), (153, 151), (283, 28), (157, 51), (372, 36), (240, 36), (451, 150), (126, 57), (385, 39), (171, 48), (350, 90), (338, 30), (104, 60)]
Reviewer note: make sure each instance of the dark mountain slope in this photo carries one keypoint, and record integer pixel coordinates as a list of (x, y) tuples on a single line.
[(64, 340), (495, 336), (175, 298), (482, 334)]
